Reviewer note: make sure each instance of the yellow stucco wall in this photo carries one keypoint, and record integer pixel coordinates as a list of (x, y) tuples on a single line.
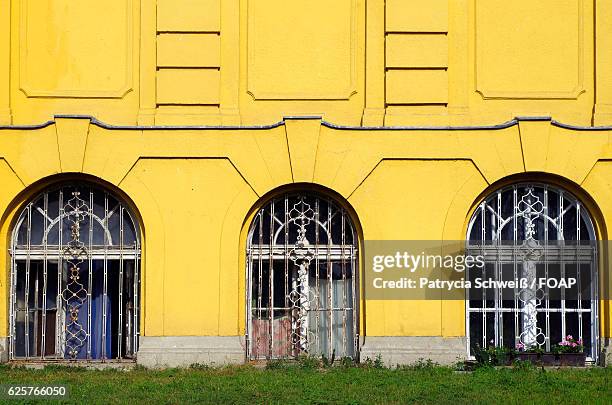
[(251, 62), (194, 189), (395, 62)]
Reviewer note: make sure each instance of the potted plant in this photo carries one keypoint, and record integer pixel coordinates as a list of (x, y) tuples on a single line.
[(570, 352)]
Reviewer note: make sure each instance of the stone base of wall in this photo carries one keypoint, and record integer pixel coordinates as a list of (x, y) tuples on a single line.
[(183, 351), (396, 350), (4, 349), (606, 352)]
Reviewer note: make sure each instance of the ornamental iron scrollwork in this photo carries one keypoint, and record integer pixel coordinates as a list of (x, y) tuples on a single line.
[(530, 208), (301, 295), (74, 293)]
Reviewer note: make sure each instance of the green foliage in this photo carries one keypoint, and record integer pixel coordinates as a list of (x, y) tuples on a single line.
[(347, 362), (523, 365), (421, 364), (328, 362), (198, 366), (289, 383), (308, 362), (377, 363), (279, 364), (494, 355)]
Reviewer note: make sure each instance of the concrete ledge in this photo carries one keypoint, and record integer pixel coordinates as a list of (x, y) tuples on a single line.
[(396, 350), (183, 351), (4, 349)]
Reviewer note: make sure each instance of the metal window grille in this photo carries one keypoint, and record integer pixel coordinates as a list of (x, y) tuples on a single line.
[(302, 280), (75, 256), (533, 231)]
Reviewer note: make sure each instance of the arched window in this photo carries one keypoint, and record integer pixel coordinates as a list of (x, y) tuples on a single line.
[(302, 292), (75, 256), (533, 232)]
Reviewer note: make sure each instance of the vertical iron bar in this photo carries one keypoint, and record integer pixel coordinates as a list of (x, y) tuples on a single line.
[(89, 272), (562, 248), (271, 282), (44, 297), (483, 341), (517, 325), (499, 325), (121, 303), (59, 327), (546, 244), (343, 269), (35, 311), (330, 270), (136, 300), (354, 280), (317, 275), (260, 277), (249, 298), (27, 286), (13, 299), (578, 270), (286, 261), (105, 283)]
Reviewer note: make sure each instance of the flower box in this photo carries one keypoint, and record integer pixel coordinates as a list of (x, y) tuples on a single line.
[(550, 359), (572, 359), (540, 359)]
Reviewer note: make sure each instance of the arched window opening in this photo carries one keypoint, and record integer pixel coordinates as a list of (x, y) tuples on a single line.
[(302, 280), (75, 255), (533, 232)]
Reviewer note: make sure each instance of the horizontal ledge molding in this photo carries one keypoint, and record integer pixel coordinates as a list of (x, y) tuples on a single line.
[(503, 125)]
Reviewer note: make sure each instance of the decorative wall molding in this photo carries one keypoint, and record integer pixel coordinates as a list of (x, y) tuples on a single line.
[(31, 90), (259, 88), (574, 89)]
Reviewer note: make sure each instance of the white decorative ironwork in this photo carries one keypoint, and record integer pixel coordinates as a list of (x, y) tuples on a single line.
[(302, 294), (74, 277), (74, 293), (528, 232), (530, 208)]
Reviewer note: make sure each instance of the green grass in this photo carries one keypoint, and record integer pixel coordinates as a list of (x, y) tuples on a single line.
[(306, 385)]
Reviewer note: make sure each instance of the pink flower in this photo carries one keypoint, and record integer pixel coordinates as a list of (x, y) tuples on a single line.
[(580, 342), (569, 337), (574, 344), (520, 346)]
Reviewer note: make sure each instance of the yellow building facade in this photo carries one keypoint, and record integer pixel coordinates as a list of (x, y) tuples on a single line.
[(402, 115)]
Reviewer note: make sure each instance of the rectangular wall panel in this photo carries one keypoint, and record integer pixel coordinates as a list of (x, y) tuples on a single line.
[(188, 86), (417, 87), (416, 50), (188, 15), (417, 15), (188, 50)]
